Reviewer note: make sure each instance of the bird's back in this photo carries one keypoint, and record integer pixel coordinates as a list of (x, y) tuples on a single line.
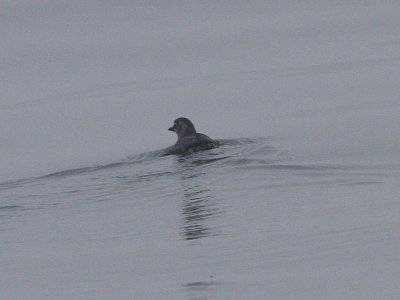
[(192, 143)]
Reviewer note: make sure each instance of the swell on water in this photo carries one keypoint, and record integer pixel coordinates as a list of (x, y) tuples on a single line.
[(260, 155)]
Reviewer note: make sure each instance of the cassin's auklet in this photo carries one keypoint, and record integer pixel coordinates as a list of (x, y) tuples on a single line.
[(189, 140)]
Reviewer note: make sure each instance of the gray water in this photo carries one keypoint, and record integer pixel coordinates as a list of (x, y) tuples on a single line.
[(301, 201), (244, 221)]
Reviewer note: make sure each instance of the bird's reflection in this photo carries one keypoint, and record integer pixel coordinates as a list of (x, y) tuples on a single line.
[(195, 212), (200, 210), (199, 205)]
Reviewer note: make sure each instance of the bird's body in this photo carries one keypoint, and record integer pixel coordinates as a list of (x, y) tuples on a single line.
[(189, 140)]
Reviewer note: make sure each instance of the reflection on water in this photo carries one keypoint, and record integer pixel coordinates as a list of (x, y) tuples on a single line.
[(199, 209), (196, 212), (198, 204)]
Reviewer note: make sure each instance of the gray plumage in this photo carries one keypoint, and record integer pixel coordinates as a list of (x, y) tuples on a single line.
[(189, 140)]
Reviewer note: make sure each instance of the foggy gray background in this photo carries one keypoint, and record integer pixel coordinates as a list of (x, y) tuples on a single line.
[(86, 82), (305, 206)]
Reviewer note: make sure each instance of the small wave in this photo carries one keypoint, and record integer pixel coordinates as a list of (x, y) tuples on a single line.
[(244, 141), (150, 176), (10, 184), (78, 171), (200, 285), (125, 162), (290, 167), (225, 151), (10, 207)]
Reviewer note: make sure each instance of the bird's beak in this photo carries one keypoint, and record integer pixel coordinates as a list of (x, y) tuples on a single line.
[(171, 128)]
